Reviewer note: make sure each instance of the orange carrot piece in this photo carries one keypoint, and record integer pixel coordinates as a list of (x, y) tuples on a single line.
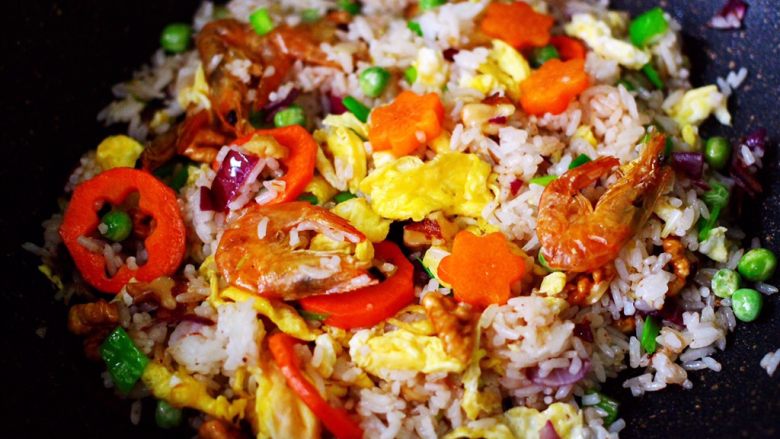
[(568, 48), (517, 24), (406, 123), (551, 88), (481, 269)]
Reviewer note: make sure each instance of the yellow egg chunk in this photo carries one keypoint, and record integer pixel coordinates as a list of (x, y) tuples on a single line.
[(455, 183), (118, 152), (360, 214)]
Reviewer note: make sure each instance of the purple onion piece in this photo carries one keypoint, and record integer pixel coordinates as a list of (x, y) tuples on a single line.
[(689, 163), (730, 16), (206, 203), (559, 377), (230, 177), (336, 106), (757, 140), (449, 54), (745, 179), (515, 186), (499, 120), (548, 431), (701, 184), (583, 331), (271, 109)]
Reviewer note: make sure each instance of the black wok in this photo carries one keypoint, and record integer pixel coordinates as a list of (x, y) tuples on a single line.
[(59, 60)]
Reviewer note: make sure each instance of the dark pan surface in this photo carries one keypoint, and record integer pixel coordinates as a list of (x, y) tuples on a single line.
[(59, 62)]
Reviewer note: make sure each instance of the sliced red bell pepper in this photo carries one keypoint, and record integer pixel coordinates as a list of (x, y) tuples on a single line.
[(165, 244), (336, 420), (299, 163), (370, 305)]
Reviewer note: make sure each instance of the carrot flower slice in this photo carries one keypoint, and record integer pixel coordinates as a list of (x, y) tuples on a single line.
[(551, 88), (481, 269), (568, 48), (406, 123), (517, 24)]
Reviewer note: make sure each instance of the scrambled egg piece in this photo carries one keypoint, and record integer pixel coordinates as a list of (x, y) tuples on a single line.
[(598, 35), (431, 67), (266, 146), (586, 133), (504, 67), (525, 423), (278, 411), (118, 152), (282, 315), (345, 148), (715, 245), (182, 390), (360, 214), (553, 283), (53, 278), (196, 94), (698, 104), (401, 350), (407, 188), (321, 189), (347, 120)]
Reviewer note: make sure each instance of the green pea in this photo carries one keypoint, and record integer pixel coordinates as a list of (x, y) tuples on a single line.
[(544, 54), (725, 282), (647, 27), (757, 265), (261, 21), (415, 27), (352, 7), (118, 225), (175, 37), (292, 115), (410, 74), (166, 415), (373, 81), (430, 4), (747, 304), (312, 199), (717, 151), (343, 196)]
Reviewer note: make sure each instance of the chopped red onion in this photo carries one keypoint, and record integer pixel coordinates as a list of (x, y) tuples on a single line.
[(499, 120), (206, 204), (231, 176), (757, 141), (548, 431), (336, 106), (730, 16), (449, 54), (745, 175), (515, 186), (559, 377), (272, 108), (689, 163)]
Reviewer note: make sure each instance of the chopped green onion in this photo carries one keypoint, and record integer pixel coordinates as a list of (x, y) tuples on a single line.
[(261, 21), (175, 37), (717, 151), (628, 85), (652, 74), (650, 331), (310, 15), (543, 54), (308, 315), (607, 404), (542, 261), (179, 178), (747, 304), (725, 282), (544, 180), (352, 7), (166, 415), (415, 27), (292, 115), (427, 270), (410, 75), (426, 5), (356, 107), (118, 225), (343, 196), (716, 199), (579, 161), (757, 265), (308, 197), (124, 361), (373, 81), (647, 27), (668, 147)]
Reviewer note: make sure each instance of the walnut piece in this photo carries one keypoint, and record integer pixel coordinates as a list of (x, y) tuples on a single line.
[(158, 291), (455, 323), (680, 264), (587, 288), (87, 318), (218, 429)]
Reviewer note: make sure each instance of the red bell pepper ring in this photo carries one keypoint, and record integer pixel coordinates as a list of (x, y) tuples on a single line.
[(336, 420), (299, 163), (165, 245), (368, 306)]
